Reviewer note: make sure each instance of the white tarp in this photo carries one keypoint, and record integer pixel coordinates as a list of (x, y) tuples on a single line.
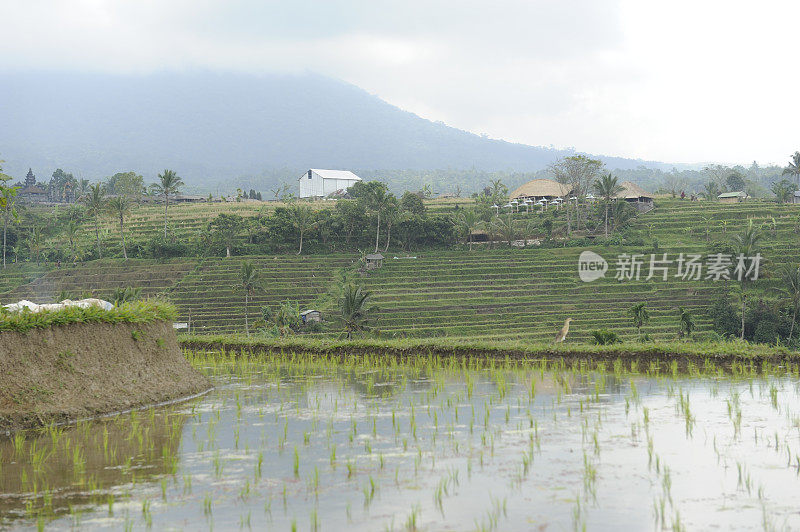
[(33, 307)]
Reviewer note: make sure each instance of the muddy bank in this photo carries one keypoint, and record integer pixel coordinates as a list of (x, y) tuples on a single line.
[(67, 372)]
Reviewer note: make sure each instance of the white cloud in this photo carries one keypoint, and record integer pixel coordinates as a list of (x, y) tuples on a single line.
[(676, 81)]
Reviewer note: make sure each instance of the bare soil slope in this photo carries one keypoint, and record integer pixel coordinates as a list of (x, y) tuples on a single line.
[(78, 370)]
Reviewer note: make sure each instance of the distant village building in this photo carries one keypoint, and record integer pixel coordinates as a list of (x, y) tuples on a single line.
[(317, 183), (636, 196), (374, 261), (30, 192), (733, 197), (796, 196)]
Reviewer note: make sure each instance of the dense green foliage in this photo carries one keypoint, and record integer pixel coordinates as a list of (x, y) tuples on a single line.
[(132, 312)]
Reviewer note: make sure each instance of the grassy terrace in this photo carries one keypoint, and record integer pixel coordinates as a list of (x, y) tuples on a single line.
[(675, 351), (499, 294)]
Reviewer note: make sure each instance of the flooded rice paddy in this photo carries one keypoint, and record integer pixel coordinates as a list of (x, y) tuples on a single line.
[(370, 443)]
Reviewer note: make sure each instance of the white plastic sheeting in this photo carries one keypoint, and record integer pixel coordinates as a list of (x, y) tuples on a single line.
[(82, 303)]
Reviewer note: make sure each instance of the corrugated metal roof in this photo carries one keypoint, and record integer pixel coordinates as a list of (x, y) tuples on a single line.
[(335, 174), (739, 194)]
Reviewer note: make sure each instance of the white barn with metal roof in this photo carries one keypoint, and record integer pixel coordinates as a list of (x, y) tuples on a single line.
[(317, 183)]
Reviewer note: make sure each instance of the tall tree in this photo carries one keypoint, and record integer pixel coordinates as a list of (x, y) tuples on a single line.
[(607, 187), (391, 216), (746, 244), (793, 168), (95, 202), (375, 196), (302, 220), (8, 197), (577, 173), (120, 206), (169, 185), (225, 228), (249, 282)]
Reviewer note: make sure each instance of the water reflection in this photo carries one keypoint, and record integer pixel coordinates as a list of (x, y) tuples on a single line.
[(49, 471)]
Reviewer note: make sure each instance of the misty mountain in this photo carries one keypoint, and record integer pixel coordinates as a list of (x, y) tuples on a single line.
[(218, 128)]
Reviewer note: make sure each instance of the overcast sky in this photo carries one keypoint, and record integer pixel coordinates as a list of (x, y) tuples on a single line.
[(677, 81)]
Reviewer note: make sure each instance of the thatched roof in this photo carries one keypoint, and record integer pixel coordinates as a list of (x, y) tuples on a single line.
[(539, 188), (632, 190)]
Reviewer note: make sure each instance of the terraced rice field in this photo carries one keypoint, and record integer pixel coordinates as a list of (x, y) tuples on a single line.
[(504, 292)]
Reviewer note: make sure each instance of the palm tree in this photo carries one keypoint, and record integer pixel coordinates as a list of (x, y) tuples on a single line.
[(8, 197), (607, 187), (640, 316), (72, 229), (169, 186), (249, 281), (81, 189), (469, 221), (377, 198), (95, 206), (790, 289), (747, 243), (685, 322), (794, 167), (506, 228), (353, 308), (303, 221), (121, 206)]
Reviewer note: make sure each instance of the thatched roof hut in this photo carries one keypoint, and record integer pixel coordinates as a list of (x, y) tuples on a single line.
[(541, 188), (632, 191)]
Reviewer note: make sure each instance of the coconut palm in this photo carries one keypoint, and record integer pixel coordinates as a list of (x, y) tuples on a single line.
[(790, 289), (353, 308), (169, 185), (121, 206), (640, 316), (794, 168), (469, 221), (506, 227), (607, 187), (249, 282), (95, 202), (303, 221), (377, 198), (746, 244)]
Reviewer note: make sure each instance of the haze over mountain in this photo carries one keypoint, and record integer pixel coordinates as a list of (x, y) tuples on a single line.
[(214, 127)]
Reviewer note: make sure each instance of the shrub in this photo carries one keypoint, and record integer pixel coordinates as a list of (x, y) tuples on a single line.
[(724, 317), (605, 337)]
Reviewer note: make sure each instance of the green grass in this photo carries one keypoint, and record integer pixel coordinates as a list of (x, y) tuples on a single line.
[(135, 312), (718, 351)]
